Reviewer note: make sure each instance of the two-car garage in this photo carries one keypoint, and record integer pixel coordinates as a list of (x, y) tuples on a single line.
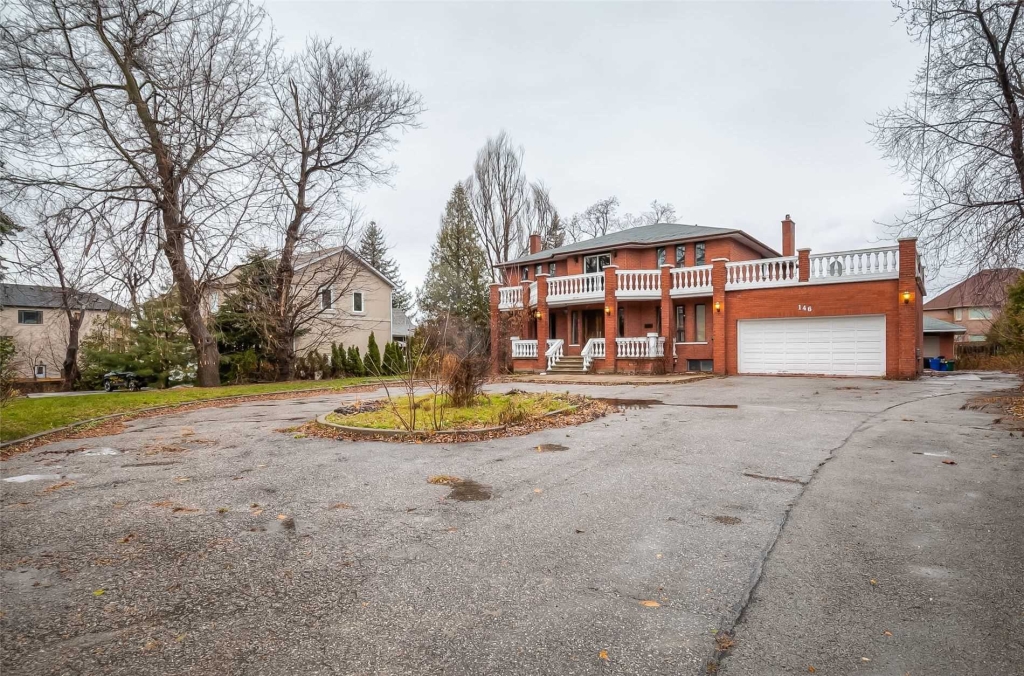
[(841, 346)]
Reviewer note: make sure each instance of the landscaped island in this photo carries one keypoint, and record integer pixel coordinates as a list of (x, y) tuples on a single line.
[(428, 415)]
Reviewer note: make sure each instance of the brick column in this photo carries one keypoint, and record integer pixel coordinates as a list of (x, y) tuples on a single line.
[(909, 313), (718, 339), (495, 329), (611, 313), (804, 264), (542, 321), (666, 316), (524, 330)]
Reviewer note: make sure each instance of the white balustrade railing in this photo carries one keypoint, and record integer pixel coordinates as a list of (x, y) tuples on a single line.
[(693, 281), (594, 349), (524, 349), (510, 297), (761, 273), (845, 266), (651, 346), (638, 283), (576, 287), (554, 352), (533, 294)]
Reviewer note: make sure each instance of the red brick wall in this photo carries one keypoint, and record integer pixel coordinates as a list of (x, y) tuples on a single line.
[(825, 300)]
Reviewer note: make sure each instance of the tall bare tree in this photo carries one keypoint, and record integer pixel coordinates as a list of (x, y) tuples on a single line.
[(597, 220), (142, 102), (336, 117), (544, 217), (960, 136), (500, 200)]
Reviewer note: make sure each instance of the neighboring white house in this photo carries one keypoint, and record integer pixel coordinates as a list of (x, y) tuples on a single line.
[(34, 317)]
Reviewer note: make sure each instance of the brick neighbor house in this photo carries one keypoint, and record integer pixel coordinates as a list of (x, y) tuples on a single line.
[(676, 298), (974, 303)]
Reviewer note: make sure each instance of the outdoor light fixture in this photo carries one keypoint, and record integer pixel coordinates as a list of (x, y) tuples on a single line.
[(907, 297), (607, 310), (536, 314), (718, 306)]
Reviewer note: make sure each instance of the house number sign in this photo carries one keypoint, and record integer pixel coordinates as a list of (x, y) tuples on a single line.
[(804, 308)]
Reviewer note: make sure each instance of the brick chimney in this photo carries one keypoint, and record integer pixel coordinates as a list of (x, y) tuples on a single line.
[(535, 244), (788, 237)]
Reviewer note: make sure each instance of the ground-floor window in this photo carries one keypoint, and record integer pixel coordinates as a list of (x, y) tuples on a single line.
[(552, 323), (622, 322), (40, 370), (698, 314), (574, 328), (680, 323), (699, 365)]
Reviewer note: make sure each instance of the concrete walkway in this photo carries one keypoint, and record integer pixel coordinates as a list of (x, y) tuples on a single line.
[(607, 379)]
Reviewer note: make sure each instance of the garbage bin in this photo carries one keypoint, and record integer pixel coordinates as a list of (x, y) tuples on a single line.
[(950, 365), (934, 363)]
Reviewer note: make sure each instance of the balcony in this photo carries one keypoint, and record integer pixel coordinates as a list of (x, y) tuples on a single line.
[(510, 297), (638, 284), (587, 288), (695, 281), (852, 266), (762, 273)]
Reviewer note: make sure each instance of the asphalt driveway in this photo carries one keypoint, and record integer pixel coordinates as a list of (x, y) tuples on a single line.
[(209, 543)]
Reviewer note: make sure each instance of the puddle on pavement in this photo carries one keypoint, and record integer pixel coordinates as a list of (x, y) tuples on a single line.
[(33, 477), (468, 490), (710, 405), (102, 451), (727, 520), (631, 404), (550, 448)]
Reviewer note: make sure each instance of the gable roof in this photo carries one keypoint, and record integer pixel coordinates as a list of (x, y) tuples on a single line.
[(984, 289), (305, 259), (31, 296), (933, 325), (659, 233)]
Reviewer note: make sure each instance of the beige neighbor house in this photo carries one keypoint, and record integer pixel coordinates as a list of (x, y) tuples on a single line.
[(340, 299), (974, 303), (33, 316)]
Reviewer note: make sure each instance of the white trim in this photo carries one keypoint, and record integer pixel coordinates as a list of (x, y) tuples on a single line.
[(36, 373), (362, 301), (694, 342), (350, 252), (598, 257)]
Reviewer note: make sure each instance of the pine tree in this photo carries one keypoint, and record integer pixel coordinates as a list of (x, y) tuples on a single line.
[(456, 281), (355, 362), (373, 248), (371, 362)]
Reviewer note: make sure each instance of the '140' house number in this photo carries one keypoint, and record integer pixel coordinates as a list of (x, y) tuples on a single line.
[(804, 308)]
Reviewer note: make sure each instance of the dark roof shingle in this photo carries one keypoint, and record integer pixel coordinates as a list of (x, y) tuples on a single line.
[(28, 295)]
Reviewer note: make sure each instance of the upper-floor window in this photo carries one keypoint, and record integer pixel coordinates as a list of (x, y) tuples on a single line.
[(979, 313), (540, 269), (30, 316), (596, 263), (551, 269), (661, 255), (958, 314), (326, 298), (698, 253), (680, 255), (524, 273), (357, 301)]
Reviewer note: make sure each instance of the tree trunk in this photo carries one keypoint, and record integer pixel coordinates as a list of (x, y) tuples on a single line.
[(69, 373)]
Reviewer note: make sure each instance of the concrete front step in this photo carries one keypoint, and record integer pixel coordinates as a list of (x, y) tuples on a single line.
[(568, 364)]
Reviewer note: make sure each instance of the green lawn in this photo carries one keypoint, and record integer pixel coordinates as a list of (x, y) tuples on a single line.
[(486, 411), (22, 417)]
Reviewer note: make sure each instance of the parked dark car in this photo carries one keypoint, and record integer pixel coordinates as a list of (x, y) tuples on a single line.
[(116, 379)]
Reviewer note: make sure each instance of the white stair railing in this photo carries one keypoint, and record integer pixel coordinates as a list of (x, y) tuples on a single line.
[(638, 283), (650, 346), (524, 349), (881, 263), (594, 349), (691, 281), (763, 272), (576, 287), (554, 352)]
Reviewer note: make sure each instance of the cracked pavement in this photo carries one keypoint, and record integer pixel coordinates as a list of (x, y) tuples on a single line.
[(211, 543)]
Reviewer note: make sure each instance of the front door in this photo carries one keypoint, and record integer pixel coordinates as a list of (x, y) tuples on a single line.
[(593, 325)]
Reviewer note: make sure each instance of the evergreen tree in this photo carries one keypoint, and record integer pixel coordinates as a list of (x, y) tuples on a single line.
[(456, 281), (355, 362), (373, 248), (371, 362)]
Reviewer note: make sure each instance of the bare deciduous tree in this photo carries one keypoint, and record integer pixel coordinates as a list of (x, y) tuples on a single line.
[(960, 136), (142, 106), (544, 217), (336, 116), (659, 213), (597, 220), (500, 200)]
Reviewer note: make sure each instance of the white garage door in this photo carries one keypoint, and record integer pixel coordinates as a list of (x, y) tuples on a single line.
[(842, 346)]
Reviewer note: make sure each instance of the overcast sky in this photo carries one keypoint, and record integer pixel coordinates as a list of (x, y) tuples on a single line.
[(736, 113)]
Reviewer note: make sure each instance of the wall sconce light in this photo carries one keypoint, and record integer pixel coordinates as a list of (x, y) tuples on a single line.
[(907, 296), (607, 310), (718, 306), (536, 314)]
